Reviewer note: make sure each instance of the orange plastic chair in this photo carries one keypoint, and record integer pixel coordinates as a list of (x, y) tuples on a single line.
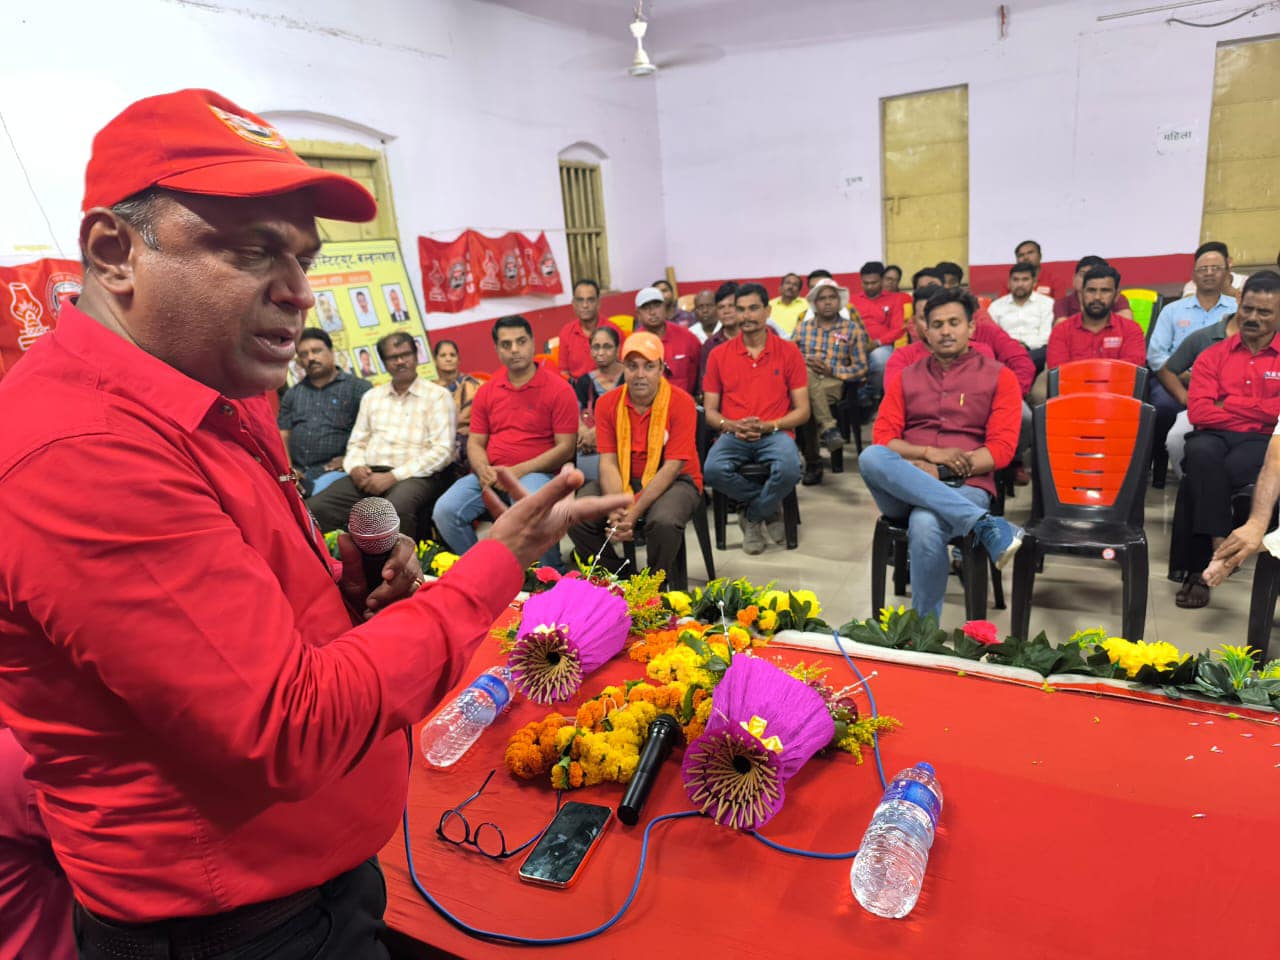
[(1093, 452), (482, 377), (1098, 376)]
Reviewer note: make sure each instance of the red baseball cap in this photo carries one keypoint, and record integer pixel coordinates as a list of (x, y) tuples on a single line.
[(196, 141)]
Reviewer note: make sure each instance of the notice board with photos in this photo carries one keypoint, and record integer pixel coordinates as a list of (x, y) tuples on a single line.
[(362, 294)]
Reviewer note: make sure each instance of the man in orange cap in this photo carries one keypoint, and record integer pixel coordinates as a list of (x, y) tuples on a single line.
[(646, 432), (216, 726)]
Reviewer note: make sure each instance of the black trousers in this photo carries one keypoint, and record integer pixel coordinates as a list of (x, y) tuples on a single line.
[(1218, 463), (343, 923), (412, 498)]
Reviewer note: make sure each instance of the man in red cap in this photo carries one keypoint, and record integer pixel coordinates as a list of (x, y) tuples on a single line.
[(215, 717), (646, 432)]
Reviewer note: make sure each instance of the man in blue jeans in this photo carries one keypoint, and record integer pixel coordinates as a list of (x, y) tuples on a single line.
[(945, 425), (756, 390), (525, 419)]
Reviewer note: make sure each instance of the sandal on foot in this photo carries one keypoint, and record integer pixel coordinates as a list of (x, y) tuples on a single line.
[(1193, 596)]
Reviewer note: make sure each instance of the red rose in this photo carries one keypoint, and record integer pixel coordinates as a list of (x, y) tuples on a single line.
[(984, 631), (547, 575)]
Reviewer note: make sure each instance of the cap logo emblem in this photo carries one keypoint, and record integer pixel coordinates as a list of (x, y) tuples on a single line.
[(256, 133)]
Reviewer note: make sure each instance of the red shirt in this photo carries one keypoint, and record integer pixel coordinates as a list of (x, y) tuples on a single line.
[(917, 350), (522, 422), (682, 432), (1120, 339), (926, 406), (756, 386), (208, 726), (1005, 349), (1247, 384), (683, 354), (575, 347), (882, 316)]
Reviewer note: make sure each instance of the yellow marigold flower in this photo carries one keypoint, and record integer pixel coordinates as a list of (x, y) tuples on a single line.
[(1271, 671), (808, 596), (888, 613), (680, 602), (442, 562), (775, 600), (739, 638), (768, 620)]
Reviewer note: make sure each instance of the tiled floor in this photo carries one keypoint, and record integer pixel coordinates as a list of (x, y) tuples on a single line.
[(833, 560)]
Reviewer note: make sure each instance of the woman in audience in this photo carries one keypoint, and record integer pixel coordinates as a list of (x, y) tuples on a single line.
[(463, 386), (591, 386)]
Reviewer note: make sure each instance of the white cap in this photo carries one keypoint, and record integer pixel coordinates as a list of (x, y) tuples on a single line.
[(649, 295)]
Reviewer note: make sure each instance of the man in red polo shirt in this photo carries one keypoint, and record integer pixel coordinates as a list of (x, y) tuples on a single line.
[(882, 315), (1233, 403), (757, 392), (218, 738), (1071, 303), (946, 424), (1097, 332), (683, 350), (526, 419), (575, 336), (653, 453)]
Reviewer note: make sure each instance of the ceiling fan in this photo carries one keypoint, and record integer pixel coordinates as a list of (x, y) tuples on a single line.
[(642, 66)]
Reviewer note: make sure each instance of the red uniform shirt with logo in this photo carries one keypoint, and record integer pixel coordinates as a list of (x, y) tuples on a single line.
[(522, 422), (757, 386), (1247, 384), (1119, 339)]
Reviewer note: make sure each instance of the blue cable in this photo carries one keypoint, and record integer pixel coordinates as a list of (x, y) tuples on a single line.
[(644, 852)]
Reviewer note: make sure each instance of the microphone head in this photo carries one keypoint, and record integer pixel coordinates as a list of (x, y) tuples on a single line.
[(374, 525)]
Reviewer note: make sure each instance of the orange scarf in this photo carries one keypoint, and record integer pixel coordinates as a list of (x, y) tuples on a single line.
[(657, 434)]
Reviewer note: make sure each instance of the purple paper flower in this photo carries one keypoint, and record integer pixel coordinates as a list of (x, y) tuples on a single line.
[(565, 634), (764, 726)]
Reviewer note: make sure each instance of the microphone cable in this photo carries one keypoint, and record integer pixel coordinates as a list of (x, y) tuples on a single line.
[(468, 929)]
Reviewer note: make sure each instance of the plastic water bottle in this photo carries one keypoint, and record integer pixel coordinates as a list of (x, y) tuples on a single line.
[(455, 728), (889, 868)]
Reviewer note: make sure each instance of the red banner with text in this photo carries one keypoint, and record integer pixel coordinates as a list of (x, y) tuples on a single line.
[(457, 273), (31, 296)]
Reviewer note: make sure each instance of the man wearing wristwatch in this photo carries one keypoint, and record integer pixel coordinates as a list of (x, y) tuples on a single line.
[(756, 391)]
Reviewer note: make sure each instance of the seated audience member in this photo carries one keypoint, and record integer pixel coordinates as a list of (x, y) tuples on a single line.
[(35, 897), (727, 315), (1028, 252), (671, 306), (881, 316), (757, 392), (1232, 282), (590, 387), (1205, 307), (924, 277), (788, 308), (1025, 314), (918, 348), (1175, 376), (317, 413), (462, 386), (945, 426), (575, 336), (402, 441), (683, 351), (814, 277), (951, 274), (525, 419), (1097, 331), (647, 435), (1069, 303), (1233, 404), (893, 283), (835, 352), (704, 309)]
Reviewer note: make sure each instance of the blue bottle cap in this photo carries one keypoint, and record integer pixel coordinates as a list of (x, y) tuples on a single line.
[(926, 767)]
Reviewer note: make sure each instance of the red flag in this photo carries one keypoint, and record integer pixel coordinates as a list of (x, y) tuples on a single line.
[(447, 277), (541, 269), (31, 296)]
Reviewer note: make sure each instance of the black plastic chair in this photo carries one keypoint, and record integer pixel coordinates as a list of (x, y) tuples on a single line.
[(1262, 606), (849, 421), (790, 507), (678, 579), (1093, 451), (891, 536)]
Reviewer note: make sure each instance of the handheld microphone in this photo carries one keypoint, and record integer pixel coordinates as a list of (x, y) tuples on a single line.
[(662, 734), (374, 526)]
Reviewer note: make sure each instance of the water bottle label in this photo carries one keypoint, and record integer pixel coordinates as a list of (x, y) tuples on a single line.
[(915, 792), (495, 688)]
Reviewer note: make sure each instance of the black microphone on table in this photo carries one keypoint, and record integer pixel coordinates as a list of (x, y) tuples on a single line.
[(374, 527), (662, 735)]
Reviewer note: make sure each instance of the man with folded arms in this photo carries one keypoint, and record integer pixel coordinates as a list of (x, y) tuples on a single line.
[(1233, 404), (400, 446), (217, 728), (646, 432), (835, 352), (757, 392), (946, 424)]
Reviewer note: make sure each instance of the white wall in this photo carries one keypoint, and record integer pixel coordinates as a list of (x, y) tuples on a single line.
[(475, 101), (1062, 119)]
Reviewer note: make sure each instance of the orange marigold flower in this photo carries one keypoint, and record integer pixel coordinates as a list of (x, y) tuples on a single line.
[(747, 615), (576, 777)]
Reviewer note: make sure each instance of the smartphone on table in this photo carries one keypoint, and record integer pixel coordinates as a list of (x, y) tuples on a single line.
[(562, 851)]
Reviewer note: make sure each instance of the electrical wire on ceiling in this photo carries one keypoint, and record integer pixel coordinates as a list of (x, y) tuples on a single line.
[(31, 186), (1221, 23)]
